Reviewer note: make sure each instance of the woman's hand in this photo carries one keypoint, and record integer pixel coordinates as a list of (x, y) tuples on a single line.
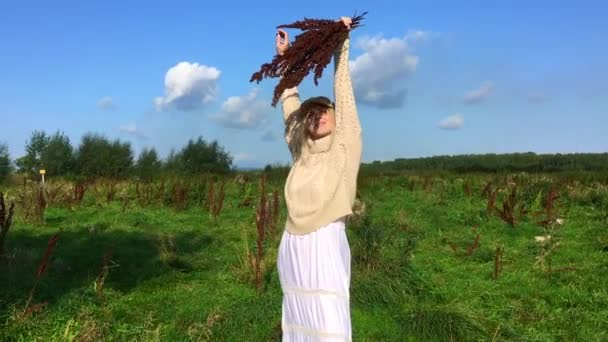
[(282, 41), (347, 22)]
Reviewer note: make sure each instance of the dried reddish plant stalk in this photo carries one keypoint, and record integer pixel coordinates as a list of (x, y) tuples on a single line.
[(498, 261), (275, 210), (80, 189), (210, 195), (6, 219), (260, 222), (549, 208), (42, 268), (40, 205), (311, 50), (52, 192), (216, 203), (103, 274), (487, 189), (179, 193), (491, 200), (507, 212), (467, 188), (474, 246)]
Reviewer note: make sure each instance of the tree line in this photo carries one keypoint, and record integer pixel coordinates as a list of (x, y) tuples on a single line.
[(495, 163), (97, 156)]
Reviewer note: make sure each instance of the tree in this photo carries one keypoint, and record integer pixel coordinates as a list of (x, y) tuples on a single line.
[(57, 157), (173, 162), (32, 161), (148, 165), (98, 157), (121, 161), (199, 156), (5, 163)]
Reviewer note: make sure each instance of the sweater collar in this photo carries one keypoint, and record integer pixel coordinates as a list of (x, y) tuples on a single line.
[(322, 144)]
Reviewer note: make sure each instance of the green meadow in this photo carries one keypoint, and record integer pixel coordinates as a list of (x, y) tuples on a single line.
[(435, 257)]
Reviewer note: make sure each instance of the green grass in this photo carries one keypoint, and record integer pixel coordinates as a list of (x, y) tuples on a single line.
[(179, 275)]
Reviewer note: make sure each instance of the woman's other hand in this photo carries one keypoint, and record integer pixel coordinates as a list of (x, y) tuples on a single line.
[(282, 41)]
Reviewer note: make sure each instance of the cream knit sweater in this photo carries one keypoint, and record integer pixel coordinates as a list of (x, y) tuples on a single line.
[(321, 185)]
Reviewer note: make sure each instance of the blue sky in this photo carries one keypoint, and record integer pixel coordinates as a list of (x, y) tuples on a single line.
[(432, 78)]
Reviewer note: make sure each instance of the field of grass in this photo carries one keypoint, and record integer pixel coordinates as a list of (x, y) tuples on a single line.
[(434, 259)]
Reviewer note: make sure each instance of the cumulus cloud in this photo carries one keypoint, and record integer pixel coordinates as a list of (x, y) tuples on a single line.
[(132, 129), (384, 63), (451, 122), (244, 112), (106, 103), (188, 86), (479, 94)]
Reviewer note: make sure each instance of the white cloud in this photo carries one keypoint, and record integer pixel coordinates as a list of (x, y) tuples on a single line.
[(132, 129), (106, 103), (478, 95), (188, 86), (244, 112), (451, 122), (383, 65)]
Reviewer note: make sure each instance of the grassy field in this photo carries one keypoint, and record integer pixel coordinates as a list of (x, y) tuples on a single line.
[(435, 258)]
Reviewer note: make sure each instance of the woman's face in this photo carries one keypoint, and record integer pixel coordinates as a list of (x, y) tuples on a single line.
[(320, 121)]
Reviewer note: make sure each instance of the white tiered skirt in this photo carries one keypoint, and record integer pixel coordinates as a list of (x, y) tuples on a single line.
[(314, 271)]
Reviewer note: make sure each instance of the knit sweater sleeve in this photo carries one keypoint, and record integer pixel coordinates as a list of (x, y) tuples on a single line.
[(348, 127), (347, 119), (291, 103)]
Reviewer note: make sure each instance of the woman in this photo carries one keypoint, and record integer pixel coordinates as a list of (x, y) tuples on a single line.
[(314, 256)]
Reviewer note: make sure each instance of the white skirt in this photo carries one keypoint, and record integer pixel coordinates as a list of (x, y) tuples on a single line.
[(314, 271)]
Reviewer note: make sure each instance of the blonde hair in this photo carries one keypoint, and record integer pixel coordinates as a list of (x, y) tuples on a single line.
[(296, 133), (296, 130)]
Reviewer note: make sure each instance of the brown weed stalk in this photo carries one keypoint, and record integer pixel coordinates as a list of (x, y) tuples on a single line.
[(550, 209), (80, 188), (275, 210), (498, 261), (507, 212), (148, 193), (210, 194), (311, 50), (491, 201), (52, 192), (487, 189), (262, 218), (179, 193), (216, 201), (42, 269), (110, 190), (428, 183), (41, 203), (467, 188), (102, 275), (474, 246), (6, 219), (260, 223)]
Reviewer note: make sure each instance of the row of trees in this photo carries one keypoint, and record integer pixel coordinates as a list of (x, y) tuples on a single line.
[(5, 162), (97, 156), (497, 163)]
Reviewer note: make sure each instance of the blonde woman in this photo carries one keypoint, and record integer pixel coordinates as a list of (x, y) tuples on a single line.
[(313, 262)]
